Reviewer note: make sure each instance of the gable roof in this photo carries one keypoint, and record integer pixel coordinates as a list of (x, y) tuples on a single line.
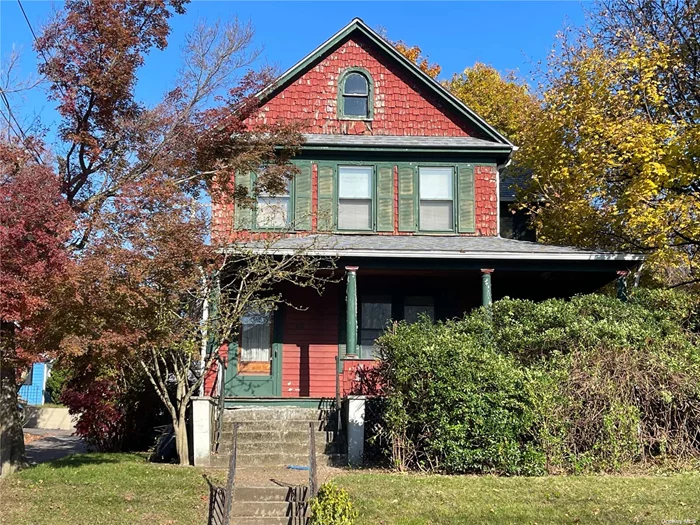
[(358, 26)]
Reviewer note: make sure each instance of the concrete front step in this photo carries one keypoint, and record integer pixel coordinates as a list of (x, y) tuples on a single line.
[(260, 520), (261, 493), (277, 414), (274, 459), (254, 509), (272, 446), (283, 425), (250, 435)]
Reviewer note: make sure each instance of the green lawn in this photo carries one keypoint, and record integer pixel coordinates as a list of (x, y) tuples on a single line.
[(125, 489), (384, 499), (104, 488)]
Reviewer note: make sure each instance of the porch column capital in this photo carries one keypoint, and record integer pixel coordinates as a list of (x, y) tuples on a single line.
[(352, 269), (487, 270)]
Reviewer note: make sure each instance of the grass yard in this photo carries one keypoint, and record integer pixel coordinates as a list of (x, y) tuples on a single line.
[(104, 488), (126, 489), (398, 499)]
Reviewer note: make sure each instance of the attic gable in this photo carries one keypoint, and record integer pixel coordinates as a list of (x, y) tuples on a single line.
[(405, 100)]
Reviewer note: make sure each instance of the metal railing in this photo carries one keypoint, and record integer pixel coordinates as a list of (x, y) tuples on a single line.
[(313, 482), (221, 402), (231, 476)]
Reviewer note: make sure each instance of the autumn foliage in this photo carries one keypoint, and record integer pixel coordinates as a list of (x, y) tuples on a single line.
[(35, 223)]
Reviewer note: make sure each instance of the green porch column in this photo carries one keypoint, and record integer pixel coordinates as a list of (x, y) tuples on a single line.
[(486, 298), (351, 309)]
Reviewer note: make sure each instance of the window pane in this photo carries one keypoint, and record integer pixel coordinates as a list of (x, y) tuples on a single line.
[(435, 183), (416, 305), (30, 376), (436, 215), (355, 214), (355, 106), (255, 337), (273, 212), (375, 317), (356, 84), (376, 313), (355, 182)]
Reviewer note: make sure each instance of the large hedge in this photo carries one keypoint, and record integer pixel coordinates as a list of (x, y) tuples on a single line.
[(588, 384)]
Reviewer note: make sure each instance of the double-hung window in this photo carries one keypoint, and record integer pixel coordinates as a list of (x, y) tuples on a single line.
[(436, 199), (273, 211), (355, 198), (375, 316), (415, 306), (255, 343), (356, 92)]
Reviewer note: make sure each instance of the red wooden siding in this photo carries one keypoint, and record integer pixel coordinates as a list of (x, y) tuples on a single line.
[(485, 200), (400, 107), (310, 344), (210, 376), (359, 377)]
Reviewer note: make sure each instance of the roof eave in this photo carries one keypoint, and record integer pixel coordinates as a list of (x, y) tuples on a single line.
[(491, 255), (408, 149)]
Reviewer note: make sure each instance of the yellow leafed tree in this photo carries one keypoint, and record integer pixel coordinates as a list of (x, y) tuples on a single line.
[(613, 165)]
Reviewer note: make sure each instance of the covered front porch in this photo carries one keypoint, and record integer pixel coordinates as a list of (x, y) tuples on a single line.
[(324, 347)]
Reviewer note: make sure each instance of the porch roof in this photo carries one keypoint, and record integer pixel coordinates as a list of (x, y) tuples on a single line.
[(433, 247)]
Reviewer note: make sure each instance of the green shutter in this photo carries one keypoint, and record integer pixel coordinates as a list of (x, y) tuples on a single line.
[(465, 198), (385, 198), (302, 197), (244, 214), (326, 196), (407, 198)]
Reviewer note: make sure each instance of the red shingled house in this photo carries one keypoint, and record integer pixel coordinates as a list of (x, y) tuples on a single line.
[(400, 180)]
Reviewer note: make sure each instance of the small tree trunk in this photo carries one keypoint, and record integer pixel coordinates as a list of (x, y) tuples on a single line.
[(181, 442), (11, 433)]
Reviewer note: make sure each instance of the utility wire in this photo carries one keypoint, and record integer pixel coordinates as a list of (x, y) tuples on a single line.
[(36, 40), (19, 132)]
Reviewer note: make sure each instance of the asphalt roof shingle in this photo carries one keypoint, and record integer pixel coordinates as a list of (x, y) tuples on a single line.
[(435, 246), (398, 141)]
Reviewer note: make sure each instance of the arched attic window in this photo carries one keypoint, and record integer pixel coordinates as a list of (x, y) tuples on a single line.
[(355, 100)]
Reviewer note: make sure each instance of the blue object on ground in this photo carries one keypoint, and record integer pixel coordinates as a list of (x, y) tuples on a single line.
[(297, 467)]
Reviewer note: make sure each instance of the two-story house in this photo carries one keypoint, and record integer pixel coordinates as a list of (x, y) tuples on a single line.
[(400, 181)]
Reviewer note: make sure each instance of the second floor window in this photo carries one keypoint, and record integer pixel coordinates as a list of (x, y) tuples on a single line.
[(436, 196), (356, 96), (272, 211), (355, 197)]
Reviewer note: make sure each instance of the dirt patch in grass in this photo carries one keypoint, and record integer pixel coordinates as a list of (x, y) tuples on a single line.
[(31, 438)]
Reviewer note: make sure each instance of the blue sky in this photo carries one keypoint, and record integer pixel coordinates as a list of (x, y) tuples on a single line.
[(508, 35)]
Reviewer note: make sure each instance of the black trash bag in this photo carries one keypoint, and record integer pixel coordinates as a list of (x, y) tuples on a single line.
[(165, 450)]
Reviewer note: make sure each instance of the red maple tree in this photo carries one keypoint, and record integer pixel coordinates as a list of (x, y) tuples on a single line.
[(35, 223)]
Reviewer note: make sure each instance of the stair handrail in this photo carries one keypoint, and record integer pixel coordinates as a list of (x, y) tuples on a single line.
[(231, 476), (221, 374), (313, 483)]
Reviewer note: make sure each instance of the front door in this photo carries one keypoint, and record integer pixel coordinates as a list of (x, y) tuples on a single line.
[(254, 359)]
